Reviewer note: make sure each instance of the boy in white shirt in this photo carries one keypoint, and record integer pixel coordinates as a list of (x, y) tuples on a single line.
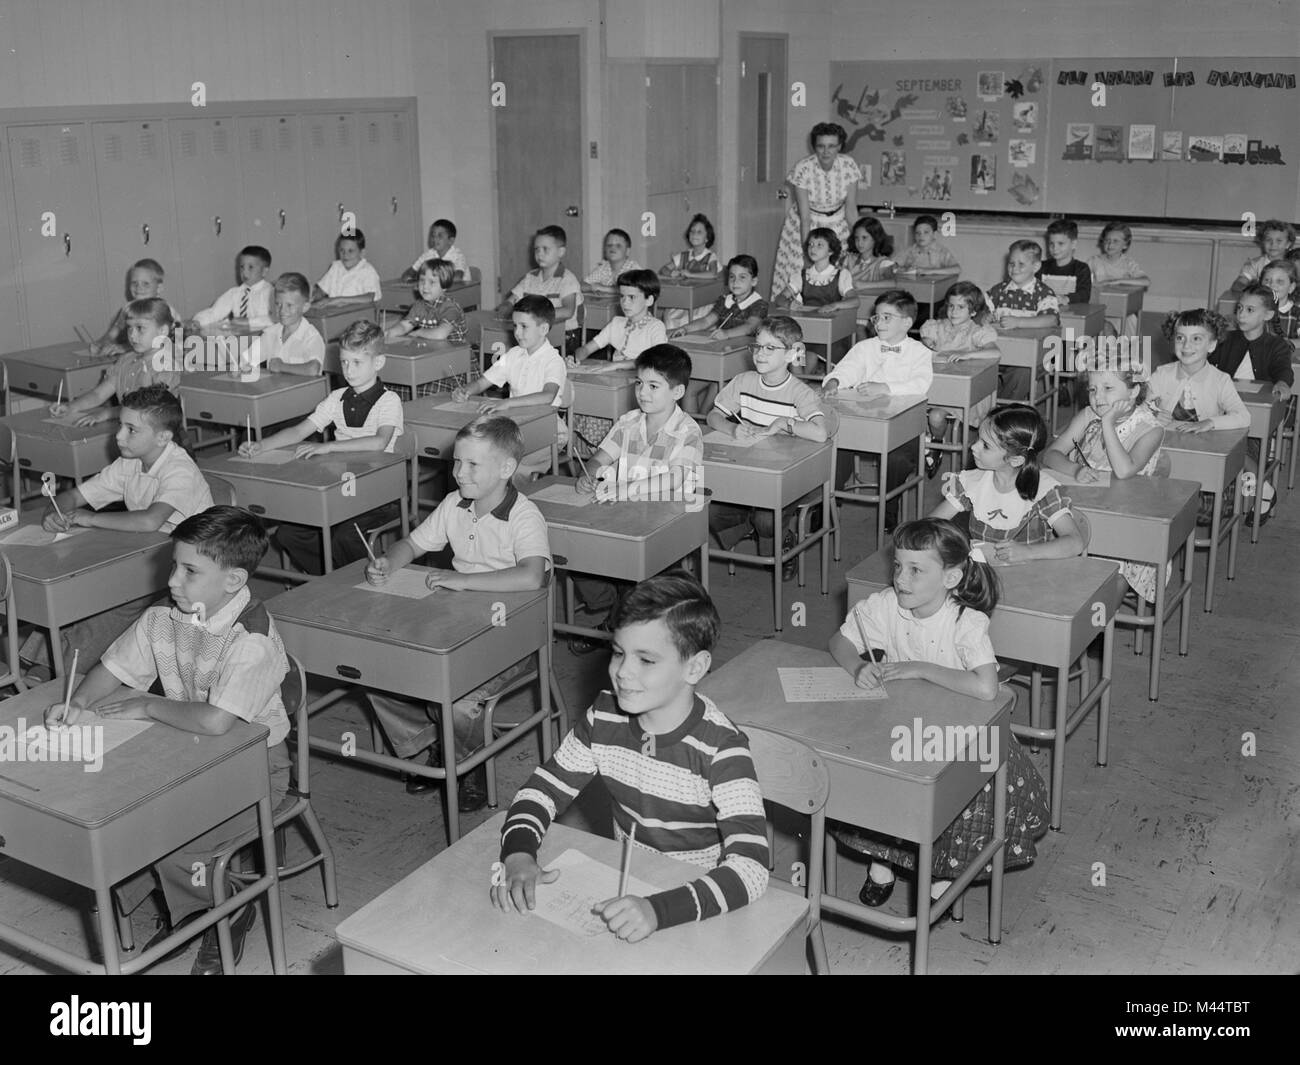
[(349, 274), (249, 302), (553, 280), (442, 245), (293, 344)]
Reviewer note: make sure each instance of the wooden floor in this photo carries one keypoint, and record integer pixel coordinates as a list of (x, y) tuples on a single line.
[(1198, 843)]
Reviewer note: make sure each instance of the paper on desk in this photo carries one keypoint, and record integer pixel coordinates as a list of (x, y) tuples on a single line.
[(564, 494), (725, 440), (407, 582), (823, 684), (466, 407), (604, 367), (69, 421), (58, 742), (266, 458), (35, 536), (583, 882)]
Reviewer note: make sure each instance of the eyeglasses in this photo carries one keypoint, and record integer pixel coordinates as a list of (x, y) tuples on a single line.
[(877, 318), (767, 349)]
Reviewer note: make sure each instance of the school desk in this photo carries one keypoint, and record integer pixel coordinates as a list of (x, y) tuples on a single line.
[(89, 572), (1267, 421), (716, 361), (332, 316), (1028, 348), (1227, 304), (825, 330), (400, 295), (927, 288), (1086, 319), (64, 450), (155, 793), (689, 293), (40, 371), (911, 800), (608, 394), (876, 427), (241, 400), (1120, 300), (486, 329), (434, 649), (1048, 615), (961, 386), (772, 475), (600, 309), (1214, 460), (628, 540), (440, 920), (321, 491), (1152, 520), (417, 365)]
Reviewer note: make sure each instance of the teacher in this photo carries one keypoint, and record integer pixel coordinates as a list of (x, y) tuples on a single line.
[(825, 194)]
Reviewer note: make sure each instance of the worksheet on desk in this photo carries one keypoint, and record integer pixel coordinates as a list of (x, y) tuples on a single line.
[(583, 882), (266, 458), (722, 439), (563, 494), (823, 684), (55, 742), (407, 582), (466, 407), (623, 366), (35, 536)]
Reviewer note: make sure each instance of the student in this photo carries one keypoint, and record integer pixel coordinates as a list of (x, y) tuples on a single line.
[(1118, 432), (533, 370), (435, 315), (692, 793), (1190, 395), (249, 302), (1115, 264), (1068, 277), (1022, 301), (766, 401), (617, 261), (698, 259), (149, 361), (658, 446), (1281, 278), (349, 274), (889, 363), (737, 313), (219, 659), (933, 625), (824, 284), (869, 261), (926, 255), (157, 483), (1275, 238), (959, 332), (441, 245), (144, 281), (553, 280), (293, 344), (1015, 507), (498, 541), (366, 417)]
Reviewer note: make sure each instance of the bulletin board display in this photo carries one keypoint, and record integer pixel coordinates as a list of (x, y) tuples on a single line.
[(946, 135)]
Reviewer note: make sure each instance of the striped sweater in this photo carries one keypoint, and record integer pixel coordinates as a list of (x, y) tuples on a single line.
[(692, 793)]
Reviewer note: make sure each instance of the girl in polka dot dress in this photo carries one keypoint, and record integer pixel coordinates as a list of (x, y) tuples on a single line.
[(933, 625)]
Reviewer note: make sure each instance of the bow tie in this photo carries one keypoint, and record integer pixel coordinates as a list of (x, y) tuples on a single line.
[(886, 347)]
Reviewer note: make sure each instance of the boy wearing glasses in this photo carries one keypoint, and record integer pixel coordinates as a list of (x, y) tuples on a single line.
[(889, 364)]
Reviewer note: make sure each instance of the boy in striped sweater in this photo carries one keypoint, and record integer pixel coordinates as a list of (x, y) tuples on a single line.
[(673, 764)]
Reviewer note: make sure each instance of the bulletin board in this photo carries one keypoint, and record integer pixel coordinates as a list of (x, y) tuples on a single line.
[(946, 135)]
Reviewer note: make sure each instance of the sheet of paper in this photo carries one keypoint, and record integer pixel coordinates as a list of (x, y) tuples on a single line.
[(62, 741), (564, 494), (583, 882), (823, 684), (266, 458), (467, 407), (35, 536), (722, 439), (68, 420), (624, 367), (407, 582)]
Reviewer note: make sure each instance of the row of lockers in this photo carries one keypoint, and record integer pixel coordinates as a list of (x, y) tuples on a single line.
[(82, 199)]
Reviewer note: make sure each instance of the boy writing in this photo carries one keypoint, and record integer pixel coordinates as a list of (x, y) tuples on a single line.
[(675, 767), (366, 417), (498, 541), (1068, 277), (553, 280), (249, 302), (293, 344), (1023, 301), (219, 660)]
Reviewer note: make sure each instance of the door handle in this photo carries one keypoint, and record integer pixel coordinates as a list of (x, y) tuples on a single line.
[(67, 244), (572, 211), (283, 217), (782, 194), (394, 205), (340, 211), (216, 223), (144, 230)]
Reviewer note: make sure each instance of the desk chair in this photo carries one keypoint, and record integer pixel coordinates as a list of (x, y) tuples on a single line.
[(223, 492), (10, 673), (408, 445), (13, 495), (794, 776), (1289, 440)]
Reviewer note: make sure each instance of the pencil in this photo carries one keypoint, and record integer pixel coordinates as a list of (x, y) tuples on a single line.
[(83, 334), (248, 427), (72, 678), (365, 543), (58, 399), (582, 464), (626, 871), (862, 631)]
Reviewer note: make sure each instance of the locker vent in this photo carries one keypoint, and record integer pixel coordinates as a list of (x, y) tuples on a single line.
[(29, 152), (317, 137), (256, 140), (220, 140), (148, 144), (285, 137), (113, 147), (345, 133), (189, 144), (372, 132), (69, 150), (399, 131)]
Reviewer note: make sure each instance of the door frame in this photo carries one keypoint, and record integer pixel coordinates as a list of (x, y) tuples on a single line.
[(584, 138), (784, 101)]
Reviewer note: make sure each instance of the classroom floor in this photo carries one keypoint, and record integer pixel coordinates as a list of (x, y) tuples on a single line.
[(1199, 843)]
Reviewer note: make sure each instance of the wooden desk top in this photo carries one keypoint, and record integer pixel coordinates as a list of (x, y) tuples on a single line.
[(1260, 392), (968, 366), (78, 554), (621, 377), (1217, 442), (33, 423), (141, 768), (439, 919), (623, 520), (420, 347), (263, 384), (441, 622), (322, 472), (772, 455), (60, 356), (1143, 498), (429, 410), (874, 408), (336, 305), (703, 344)]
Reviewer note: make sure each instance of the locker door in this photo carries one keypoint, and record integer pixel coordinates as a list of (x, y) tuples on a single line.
[(205, 165), (670, 215), (700, 107), (387, 213), (330, 153), (63, 279), (137, 206), (274, 210), (13, 331), (665, 117)]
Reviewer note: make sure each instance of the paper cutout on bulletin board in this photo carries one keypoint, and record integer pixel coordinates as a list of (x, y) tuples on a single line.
[(986, 127), (1110, 143), (893, 168), (1234, 148), (1024, 116), (1171, 144), (990, 84), (956, 108), (1142, 142), (1023, 189), (1080, 139), (937, 183), (1203, 149), (870, 116), (1021, 152), (983, 172)]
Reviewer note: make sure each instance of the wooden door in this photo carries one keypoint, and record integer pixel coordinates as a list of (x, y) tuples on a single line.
[(63, 279), (137, 207), (665, 122), (539, 150), (764, 95), (13, 332), (700, 88), (387, 211), (209, 230), (272, 195), (330, 154)]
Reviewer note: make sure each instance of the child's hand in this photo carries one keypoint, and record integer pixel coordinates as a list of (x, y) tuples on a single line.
[(249, 448), (93, 417), (830, 387), (871, 388), (718, 334), (491, 405), (1282, 391), (586, 483), (869, 675), (306, 451), (1117, 411), (1203, 426), (902, 671), (680, 331), (460, 394), (1007, 553), (517, 887), (52, 523), (745, 431), (58, 410), (377, 571), (133, 708), (445, 578), (1087, 475), (629, 917), (54, 713)]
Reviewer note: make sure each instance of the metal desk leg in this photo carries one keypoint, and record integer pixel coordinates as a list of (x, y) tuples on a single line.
[(1060, 728), (1216, 523), (107, 929), (924, 860), (999, 858), (270, 861), (452, 782), (1103, 710), (1185, 614), (1158, 632)]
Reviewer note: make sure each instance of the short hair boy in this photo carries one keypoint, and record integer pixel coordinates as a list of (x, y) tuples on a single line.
[(349, 275), (1068, 277), (926, 254), (675, 767), (441, 245), (1022, 301), (219, 659), (248, 302), (366, 417), (292, 344), (499, 544), (637, 328), (551, 279)]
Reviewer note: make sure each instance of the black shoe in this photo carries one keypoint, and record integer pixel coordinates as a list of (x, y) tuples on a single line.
[(788, 569), (418, 785), (931, 464), (873, 894), (472, 794), (165, 928), (208, 963), (585, 645)]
